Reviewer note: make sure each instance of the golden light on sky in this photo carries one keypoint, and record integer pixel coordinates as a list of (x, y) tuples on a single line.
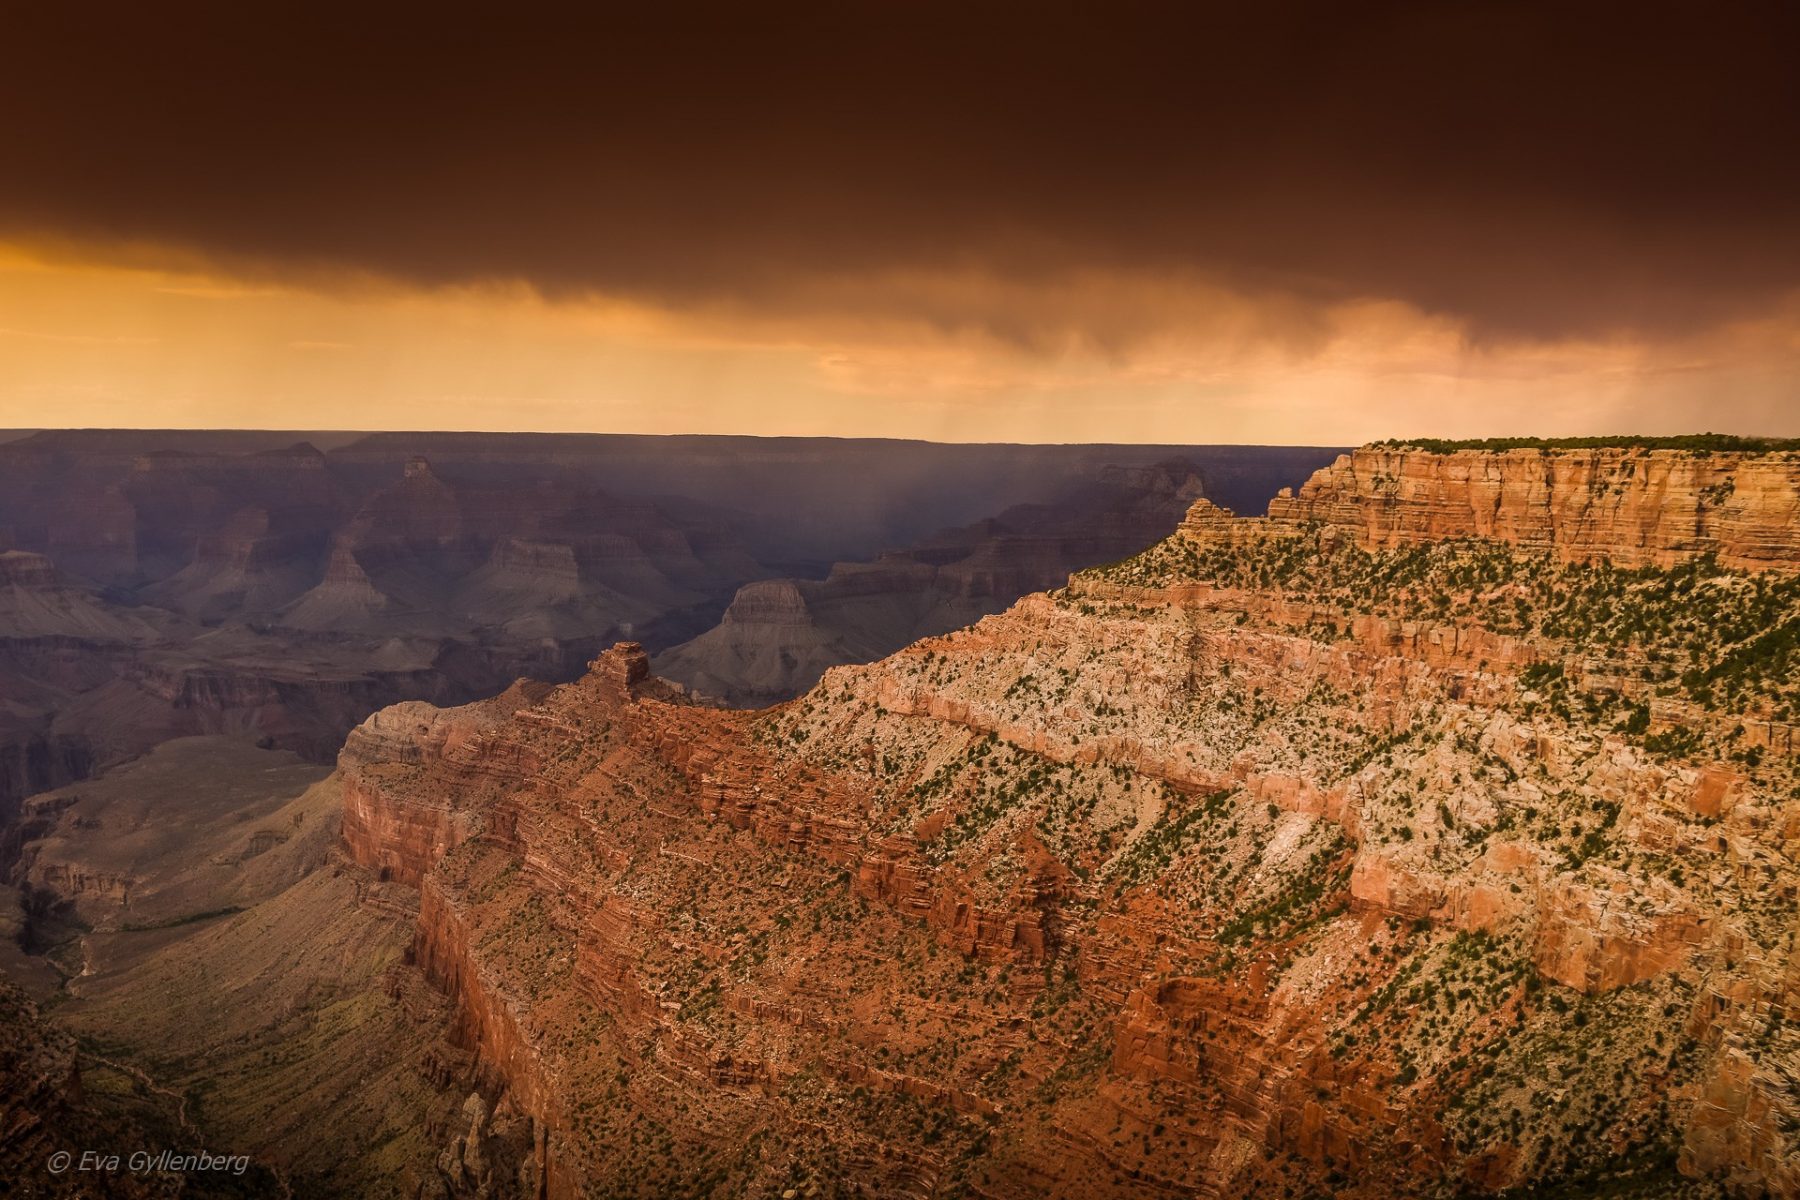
[(86, 342), (1162, 222)]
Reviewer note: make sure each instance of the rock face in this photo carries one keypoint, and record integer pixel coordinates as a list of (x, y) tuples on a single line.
[(1632, 507), (1270, 861), (37, 602), (400, 838), (30, 572)]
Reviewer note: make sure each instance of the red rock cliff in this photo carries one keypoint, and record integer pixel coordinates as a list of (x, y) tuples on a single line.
[(1250, 866), (1632, 506)]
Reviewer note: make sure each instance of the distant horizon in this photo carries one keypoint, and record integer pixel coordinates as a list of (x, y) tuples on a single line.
[(14, 434), (1620, 437)]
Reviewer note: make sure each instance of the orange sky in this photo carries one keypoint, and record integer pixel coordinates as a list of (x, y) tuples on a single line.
[(89, 342), (1303, 222)]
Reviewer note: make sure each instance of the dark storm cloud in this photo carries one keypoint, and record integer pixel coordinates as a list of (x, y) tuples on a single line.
[(1538, 169)]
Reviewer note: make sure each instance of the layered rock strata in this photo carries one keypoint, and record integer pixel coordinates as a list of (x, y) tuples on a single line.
[(1328, 853), (1629, 506)]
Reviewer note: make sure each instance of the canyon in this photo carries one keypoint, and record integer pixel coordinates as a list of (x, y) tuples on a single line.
[(779, 635), (190, 624), (512, 810), (1381, 846), (157, 585)]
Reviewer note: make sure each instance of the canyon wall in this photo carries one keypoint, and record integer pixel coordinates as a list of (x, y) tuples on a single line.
[(1269, 861), (1629, 506)]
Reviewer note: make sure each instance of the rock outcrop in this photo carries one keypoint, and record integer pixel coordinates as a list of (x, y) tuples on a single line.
[(1285, 857), (1632, 507), (400, 831)]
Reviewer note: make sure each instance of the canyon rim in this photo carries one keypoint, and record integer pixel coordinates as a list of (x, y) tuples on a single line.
[(1431, 835)]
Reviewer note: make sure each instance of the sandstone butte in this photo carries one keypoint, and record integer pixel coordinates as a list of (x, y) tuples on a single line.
[(1436, 833)]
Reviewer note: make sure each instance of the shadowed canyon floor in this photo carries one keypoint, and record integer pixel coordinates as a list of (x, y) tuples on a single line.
[(228, 979), (1434, 835)]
